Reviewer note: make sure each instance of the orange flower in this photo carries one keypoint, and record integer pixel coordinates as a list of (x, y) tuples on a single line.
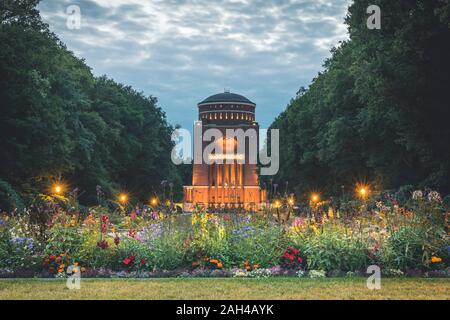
[(435, 259), (247, 268), (213, 261), (256, 266), (246, 263), (60, 270), (219, 265)]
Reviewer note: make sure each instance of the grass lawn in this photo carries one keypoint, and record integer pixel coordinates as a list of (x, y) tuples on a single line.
[(258, 289)]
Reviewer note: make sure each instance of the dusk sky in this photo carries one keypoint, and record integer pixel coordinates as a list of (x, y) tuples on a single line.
[(184, 51)]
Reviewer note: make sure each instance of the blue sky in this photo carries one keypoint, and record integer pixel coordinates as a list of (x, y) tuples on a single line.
[(182, 51)]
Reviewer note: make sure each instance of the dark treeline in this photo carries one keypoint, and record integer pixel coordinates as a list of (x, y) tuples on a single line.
[(379, 111), (59, 122)]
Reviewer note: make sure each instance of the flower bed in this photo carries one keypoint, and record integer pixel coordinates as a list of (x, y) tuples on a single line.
[(411, 239)]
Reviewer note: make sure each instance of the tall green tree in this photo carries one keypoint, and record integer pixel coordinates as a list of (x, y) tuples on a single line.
[(378, 110)]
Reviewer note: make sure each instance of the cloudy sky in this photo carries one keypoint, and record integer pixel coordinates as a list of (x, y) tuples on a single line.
[(182, 51)]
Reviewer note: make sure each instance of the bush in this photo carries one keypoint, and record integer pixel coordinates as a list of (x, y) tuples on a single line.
[(263, 247), (334, 250), (412, 247)]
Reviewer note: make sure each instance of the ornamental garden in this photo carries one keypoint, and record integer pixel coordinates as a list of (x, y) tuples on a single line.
[(405, 233)]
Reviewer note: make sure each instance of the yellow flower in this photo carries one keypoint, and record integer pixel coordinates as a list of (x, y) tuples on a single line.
[(435, 259), (221, 232), (330, 213)]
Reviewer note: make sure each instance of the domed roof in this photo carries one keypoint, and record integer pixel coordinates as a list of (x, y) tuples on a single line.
[(226, 97)]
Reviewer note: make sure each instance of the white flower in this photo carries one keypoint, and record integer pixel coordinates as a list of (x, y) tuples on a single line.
[(434, 196), (317, 274), (418, 194)]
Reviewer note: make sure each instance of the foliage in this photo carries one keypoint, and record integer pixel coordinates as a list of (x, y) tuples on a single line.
[(378, 110), (59, 122)]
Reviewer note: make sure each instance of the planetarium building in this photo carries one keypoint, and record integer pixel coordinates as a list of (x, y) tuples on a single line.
[(233, 181)]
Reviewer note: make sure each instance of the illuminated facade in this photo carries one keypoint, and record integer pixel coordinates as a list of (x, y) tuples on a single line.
[(234, 182)]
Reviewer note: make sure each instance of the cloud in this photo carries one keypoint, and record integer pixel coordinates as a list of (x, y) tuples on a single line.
[(183, 51)]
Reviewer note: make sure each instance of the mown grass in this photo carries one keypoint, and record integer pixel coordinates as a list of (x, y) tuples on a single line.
[(257, 289)]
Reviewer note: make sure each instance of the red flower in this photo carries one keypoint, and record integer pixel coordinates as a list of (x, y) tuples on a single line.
[(105, 218), (103, 244), (128, 260), (103, 227), (286, 255), (294, 251), (133, 215), (142, 262), (132, 233)]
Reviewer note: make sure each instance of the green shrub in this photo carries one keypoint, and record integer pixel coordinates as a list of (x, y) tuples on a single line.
[(262, 246), (412, 246), (334, 250)]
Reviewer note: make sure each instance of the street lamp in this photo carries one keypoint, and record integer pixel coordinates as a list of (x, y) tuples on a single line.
[(291, 201), (123, 198), (362, 191), (57, 189)]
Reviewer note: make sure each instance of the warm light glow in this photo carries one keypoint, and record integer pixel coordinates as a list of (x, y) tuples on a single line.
[(277, 204), (123, 198), (291, 201), (57, 188), (314, 197), (362, 191), (221, 156), (154, 201)]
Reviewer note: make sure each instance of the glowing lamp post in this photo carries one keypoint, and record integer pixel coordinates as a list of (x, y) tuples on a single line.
[(362, 191), (315, 198), (154, 201), (58, 189), (123, 198)]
